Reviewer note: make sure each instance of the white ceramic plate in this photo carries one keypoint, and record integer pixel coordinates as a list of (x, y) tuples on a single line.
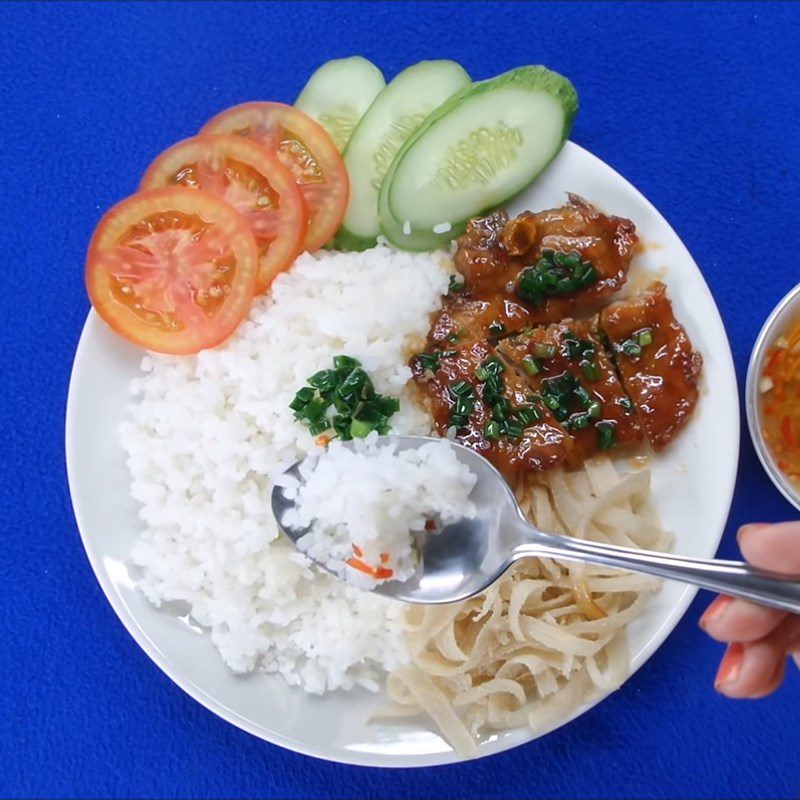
[(693, 485)]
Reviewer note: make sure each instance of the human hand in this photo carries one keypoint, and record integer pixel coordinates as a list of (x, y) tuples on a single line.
[(759, 639)]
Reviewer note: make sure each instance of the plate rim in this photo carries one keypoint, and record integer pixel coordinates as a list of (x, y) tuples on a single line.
[(357, 757)]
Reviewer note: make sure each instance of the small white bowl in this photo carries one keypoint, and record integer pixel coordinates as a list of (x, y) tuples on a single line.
[(783, 317)]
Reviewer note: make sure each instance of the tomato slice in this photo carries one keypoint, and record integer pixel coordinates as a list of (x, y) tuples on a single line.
[(248, 177), (306, 149), (172, 270)]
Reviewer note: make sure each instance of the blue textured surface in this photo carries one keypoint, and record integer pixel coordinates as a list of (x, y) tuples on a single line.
[(696, 104)]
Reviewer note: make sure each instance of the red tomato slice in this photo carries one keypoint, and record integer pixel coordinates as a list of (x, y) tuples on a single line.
[(306, 149), (172, 270), (248, 177)]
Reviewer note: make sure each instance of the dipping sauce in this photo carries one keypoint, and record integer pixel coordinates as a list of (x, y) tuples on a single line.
[(779, 392)]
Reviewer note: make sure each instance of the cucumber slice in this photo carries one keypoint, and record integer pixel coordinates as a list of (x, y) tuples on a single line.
[(474, 152), (338, 94), (394, 115)]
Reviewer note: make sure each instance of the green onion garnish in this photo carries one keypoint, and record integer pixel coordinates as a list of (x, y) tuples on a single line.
[(606, 435), (460, 389), (456, 283), (542, 350), (511, 428), (497, 329), (531, 365), (644, 337), (555, 273), (631, 348), (345, 363), (452, 337), (428, 361), (359, 429), (595, 409), (492, 430), (343, 399), (590, 370), (527, 415), (578, 422), (551, 401)]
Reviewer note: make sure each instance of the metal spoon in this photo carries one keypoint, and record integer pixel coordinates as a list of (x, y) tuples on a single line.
[(464, 558)]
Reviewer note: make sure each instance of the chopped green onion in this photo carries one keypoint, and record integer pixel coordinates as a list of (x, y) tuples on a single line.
[(595, 409), (527, 415), (590, 370), (493, 366), (531, 365), (456, 283), (313, 410), (324, 380), (345, 363), (582, 396), (511, 428), (555, 273), (499, 411), (349, 391), (457, 421), (542, 350), (497, 329), (359, 429), (452, 337), (645, 337), (316, 428), (606, 435), (492, 430), (577, 422), (428, 361), (481, 374), (302, 398), (464, 406), (551, 402), (460, 389), (631, 348), (447, 353)]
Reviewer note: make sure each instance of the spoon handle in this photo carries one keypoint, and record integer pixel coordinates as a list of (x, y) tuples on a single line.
[(728, 577)]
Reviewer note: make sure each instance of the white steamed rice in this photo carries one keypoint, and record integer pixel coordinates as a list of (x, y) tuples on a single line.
[(206, 435), (371, 505)]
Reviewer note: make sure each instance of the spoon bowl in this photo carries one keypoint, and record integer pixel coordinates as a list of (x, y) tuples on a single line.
[(467, 556)]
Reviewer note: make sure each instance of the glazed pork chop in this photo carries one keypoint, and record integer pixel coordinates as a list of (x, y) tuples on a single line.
[(491, 409), (658, 367), (536, 268), (566, 364)]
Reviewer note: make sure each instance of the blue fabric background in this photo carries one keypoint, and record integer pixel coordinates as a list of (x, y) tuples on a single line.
[(697, 104)]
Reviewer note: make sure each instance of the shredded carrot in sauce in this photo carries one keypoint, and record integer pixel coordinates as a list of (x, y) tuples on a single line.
[(384, 558), (780, 402)]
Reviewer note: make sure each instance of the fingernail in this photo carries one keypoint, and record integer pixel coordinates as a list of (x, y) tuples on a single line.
[(729, 666), (715, 610), (751, 526)]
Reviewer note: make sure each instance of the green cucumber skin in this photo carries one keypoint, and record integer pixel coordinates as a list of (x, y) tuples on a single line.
[(345, 235), (350, 242), (537, 77)]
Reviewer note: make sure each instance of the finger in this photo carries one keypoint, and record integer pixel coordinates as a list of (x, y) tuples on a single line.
[(750, 670), (730, 619), (772, 547), (773, 684)]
